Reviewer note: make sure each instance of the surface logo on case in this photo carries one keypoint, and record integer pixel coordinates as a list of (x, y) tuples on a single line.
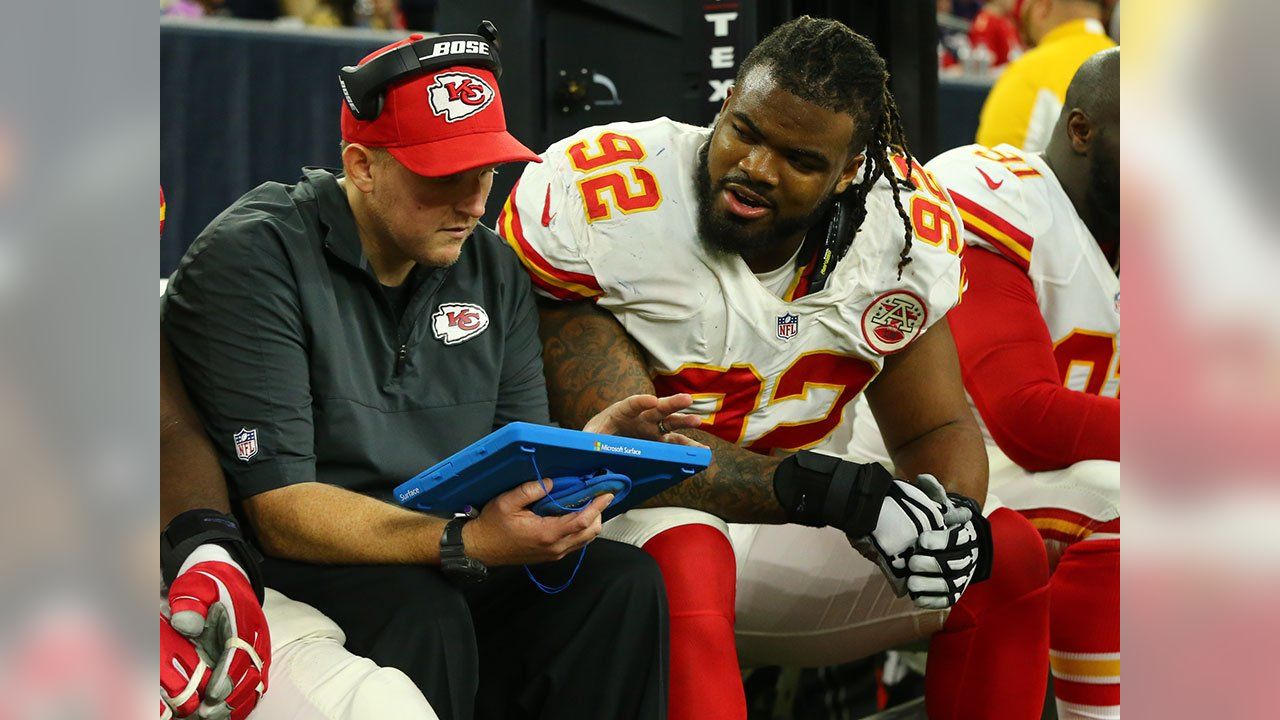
[(623, 449)]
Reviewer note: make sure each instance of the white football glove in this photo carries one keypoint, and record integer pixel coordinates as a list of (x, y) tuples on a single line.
[(947, 561), (906, 513), (890, 522)]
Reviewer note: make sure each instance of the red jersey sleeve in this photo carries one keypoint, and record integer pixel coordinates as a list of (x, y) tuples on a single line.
[(1006, 358)]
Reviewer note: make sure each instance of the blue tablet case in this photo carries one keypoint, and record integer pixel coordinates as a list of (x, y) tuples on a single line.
[(583, 465)]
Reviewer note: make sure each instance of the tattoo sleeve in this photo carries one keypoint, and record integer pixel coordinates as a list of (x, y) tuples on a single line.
[(589, 360), (591, 363)]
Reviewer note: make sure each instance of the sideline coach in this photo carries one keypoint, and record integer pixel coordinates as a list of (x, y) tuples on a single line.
[(341, 334)]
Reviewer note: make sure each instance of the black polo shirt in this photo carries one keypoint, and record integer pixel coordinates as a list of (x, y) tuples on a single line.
[(300, 369)]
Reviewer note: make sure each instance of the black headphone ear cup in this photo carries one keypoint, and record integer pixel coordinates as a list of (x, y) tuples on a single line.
[(370, 109)]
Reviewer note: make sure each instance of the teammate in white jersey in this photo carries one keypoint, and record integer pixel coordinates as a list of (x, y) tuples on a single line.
[(694, 248), (1039, 342)]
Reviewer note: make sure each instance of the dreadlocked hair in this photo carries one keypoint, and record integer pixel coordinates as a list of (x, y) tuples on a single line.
[(826, 63)]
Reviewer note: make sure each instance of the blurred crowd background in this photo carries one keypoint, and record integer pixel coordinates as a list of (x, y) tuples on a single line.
[(975, 37), (376, 14)]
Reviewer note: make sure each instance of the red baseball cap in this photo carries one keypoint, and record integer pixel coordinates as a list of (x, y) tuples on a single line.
[(440, 123)]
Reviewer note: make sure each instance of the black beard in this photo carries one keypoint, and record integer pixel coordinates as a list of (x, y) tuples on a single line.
[(722, 233)]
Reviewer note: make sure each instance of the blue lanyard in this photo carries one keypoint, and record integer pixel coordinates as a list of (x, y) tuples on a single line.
[(581, 553)]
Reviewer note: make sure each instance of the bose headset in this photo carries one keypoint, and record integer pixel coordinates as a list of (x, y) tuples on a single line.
[(364, 86)]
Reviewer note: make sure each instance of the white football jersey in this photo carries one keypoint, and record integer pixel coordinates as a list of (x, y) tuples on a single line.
[(1012, 204), (610, 215)]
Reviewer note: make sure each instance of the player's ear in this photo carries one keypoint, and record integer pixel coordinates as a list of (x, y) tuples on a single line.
[(850, 172), (357, 163), (1080, 131)]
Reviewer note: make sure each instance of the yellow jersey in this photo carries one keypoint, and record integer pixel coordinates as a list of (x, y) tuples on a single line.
[(1025, 102)]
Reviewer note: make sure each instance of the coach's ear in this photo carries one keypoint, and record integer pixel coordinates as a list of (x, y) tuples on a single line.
[(357, 163), (850, 172)]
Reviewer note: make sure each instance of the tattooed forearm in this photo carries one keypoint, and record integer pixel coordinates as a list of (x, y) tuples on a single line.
[(738, 487), (591, 362)]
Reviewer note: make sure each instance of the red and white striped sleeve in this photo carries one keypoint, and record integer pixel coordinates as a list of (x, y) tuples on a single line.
[(540, 223)]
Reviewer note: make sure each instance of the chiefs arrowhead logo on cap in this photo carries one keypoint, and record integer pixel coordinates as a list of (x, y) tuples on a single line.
[(458, 95)]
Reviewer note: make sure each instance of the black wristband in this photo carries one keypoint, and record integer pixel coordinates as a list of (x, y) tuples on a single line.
[(820, 490), (194, 528)]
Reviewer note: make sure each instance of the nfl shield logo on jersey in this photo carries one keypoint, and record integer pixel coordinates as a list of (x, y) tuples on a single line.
[(788, 326), (246, 443)]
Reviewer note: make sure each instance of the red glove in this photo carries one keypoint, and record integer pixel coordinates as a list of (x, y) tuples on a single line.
[(184, 673), (213, 605)]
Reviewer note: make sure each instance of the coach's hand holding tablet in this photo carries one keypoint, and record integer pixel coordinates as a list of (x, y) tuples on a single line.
[(508, 532)]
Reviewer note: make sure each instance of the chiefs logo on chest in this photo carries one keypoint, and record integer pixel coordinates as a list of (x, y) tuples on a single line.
[(453, 323)]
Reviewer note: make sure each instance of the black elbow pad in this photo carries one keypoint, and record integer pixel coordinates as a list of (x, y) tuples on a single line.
[(820, 490)]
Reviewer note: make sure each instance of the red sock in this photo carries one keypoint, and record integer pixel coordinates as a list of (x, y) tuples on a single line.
[(700, 573), (991, 658), (1085, 636)]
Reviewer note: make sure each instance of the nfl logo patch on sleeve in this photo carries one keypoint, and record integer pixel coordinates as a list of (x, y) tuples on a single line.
[(246, 443)]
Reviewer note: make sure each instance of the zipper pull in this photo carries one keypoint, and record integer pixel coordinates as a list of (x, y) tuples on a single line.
[(401, 357)]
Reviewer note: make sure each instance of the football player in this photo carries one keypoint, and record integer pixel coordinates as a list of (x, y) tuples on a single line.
[(775, 267), (1038, 336)]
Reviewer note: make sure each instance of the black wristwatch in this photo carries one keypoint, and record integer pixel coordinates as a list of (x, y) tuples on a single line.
[(454, 562)]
